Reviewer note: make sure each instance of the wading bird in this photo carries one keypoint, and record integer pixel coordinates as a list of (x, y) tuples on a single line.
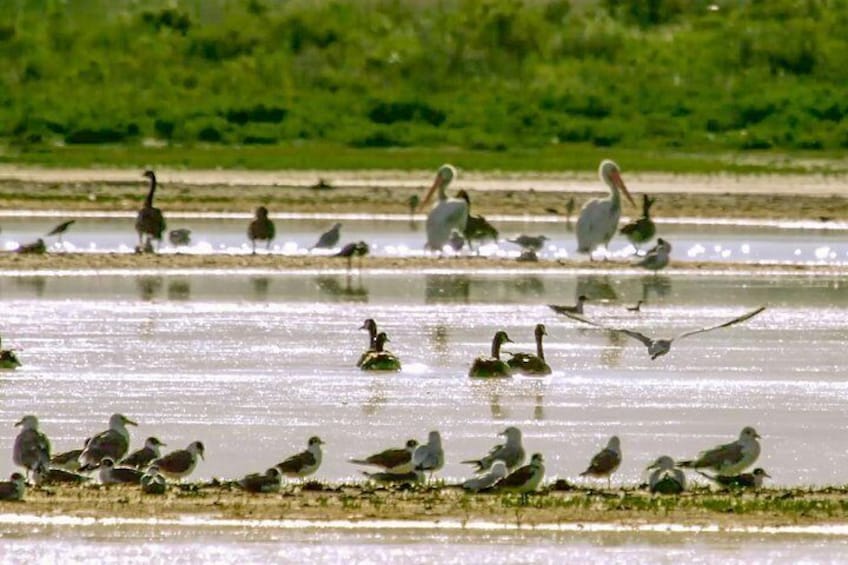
[(261, 229), (659, 347), (657, 258), (448, 215), (598, 219), (61, 229), (477, 228), (149, 224), (529, 364), (488, 367), (359, 249)]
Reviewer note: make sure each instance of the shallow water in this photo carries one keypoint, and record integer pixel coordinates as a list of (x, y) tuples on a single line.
[(398, 236)]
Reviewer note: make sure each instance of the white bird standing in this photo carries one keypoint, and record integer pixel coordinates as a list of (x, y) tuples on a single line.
[(598, 219), (448, 215), (430, 456), (730, 458), (511, 452)]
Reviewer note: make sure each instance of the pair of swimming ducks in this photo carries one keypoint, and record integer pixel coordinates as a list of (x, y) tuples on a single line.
[(377, 358)]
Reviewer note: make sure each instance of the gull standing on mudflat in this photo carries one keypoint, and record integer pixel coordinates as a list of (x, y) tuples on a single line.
[(666, 477), (304, 463), (511, 452), (269, 481), (429, 456), (329, 238), (180, 463), (44, 475), (752, 480), (730, 458), (525, 479), (564, 309), (14, 488), (69, 460), (448, 215), (32, 448), (398, 460), (113, 443), (659, 347), (481, 482), (112, 475), (598, 219), (657, 258), (605, 462), (152, 481), (142, 457)]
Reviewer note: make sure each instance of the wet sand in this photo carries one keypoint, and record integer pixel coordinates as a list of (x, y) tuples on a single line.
[(786, 197), (769, 507), (10, 261)]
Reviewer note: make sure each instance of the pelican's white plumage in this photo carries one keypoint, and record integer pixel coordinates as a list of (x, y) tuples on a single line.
[(598, 219), (448, 215)]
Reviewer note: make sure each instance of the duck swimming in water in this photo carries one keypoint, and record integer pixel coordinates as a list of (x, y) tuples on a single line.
[(371, 326), (489, 367), (380, 359), (8, 359), (529, 364)]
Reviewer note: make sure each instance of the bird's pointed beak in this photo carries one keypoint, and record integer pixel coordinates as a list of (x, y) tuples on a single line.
[(756, 435), (363, 327), (619, 183), (130, 422), (19, 423), (653, 465), (436, 184), (766, 475)]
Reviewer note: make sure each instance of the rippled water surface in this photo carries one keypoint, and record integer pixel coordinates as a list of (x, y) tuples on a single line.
[(254, 365), (824, 242)]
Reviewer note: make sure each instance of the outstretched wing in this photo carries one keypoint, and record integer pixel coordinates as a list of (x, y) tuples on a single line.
[(634, 334), (738, 320)]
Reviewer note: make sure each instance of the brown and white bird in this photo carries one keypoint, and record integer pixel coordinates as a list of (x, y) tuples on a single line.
[(605, 462), (666, 478), (180, 463), (529, 364), (304, 463), (152, 481), (566, 309), (269, 481), (69, 460), (150, 223), (511, 452), (524, 480), (730, 458), (144, 456), (398, 460), (14, 488), (261, 229), (110, 474), (753, 480), (32, 448), (113, 443), (55, 475)]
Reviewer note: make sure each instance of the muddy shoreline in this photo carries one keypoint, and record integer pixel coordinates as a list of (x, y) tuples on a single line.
[(702, 507)]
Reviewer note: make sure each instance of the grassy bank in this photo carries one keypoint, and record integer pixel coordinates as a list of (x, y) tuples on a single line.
[(512, 84), (770, 507)]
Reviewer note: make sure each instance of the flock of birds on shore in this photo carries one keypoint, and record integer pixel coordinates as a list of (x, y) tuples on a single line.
[(501, 470)]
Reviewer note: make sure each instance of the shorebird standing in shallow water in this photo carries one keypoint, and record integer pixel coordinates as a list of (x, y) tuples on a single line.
[(492, 367), (398, 460), (529, 364), (113, 443), (598, 219), (143, 457), (666, 478), (61, 229), (753, 480), (429, 457), (657, 258), (32, 448), (150, 223), (659, 347), (565, 309), (529, 242), (14, 488), (261, 229), (605, 462), (180, 463), (448, 215), (511, 452), (730, 458), (304, 463), (359, 249)]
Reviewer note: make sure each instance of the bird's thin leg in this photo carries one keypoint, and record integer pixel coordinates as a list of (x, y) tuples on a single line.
[(268, 245)]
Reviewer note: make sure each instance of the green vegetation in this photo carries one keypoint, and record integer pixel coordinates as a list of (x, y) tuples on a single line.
[(516, 84)]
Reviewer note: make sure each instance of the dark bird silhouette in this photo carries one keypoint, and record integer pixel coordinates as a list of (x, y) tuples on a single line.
[(359, 249), (477, 228), (329, 238), (642, 229), (149, 224), (261, 229), (60, 229), (35, 248)]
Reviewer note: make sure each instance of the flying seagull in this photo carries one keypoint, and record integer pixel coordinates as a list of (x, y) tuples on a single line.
[(661, 346), (730, 458)]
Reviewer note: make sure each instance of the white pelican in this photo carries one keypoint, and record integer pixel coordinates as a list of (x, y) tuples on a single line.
[(450, 214), (598, 219)]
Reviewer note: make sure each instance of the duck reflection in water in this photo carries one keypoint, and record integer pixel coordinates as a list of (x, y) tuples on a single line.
[(597, 287), (149, 287), (376, 396), (343, 292), (260, 287), (439, 339), (37, 284), (529, 286), (179, 289), (447, 289), (659, 285)]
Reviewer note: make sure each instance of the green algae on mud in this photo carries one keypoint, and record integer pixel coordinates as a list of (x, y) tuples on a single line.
[(559, 503)]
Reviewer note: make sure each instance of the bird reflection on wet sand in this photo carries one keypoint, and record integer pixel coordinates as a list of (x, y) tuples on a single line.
[(376, 396), (347, 292), (149, 287), (611, 355), (36, 283), (179, 289), (659, 285), (447, 289), (260, 287), (596, 287), (439, 339)]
